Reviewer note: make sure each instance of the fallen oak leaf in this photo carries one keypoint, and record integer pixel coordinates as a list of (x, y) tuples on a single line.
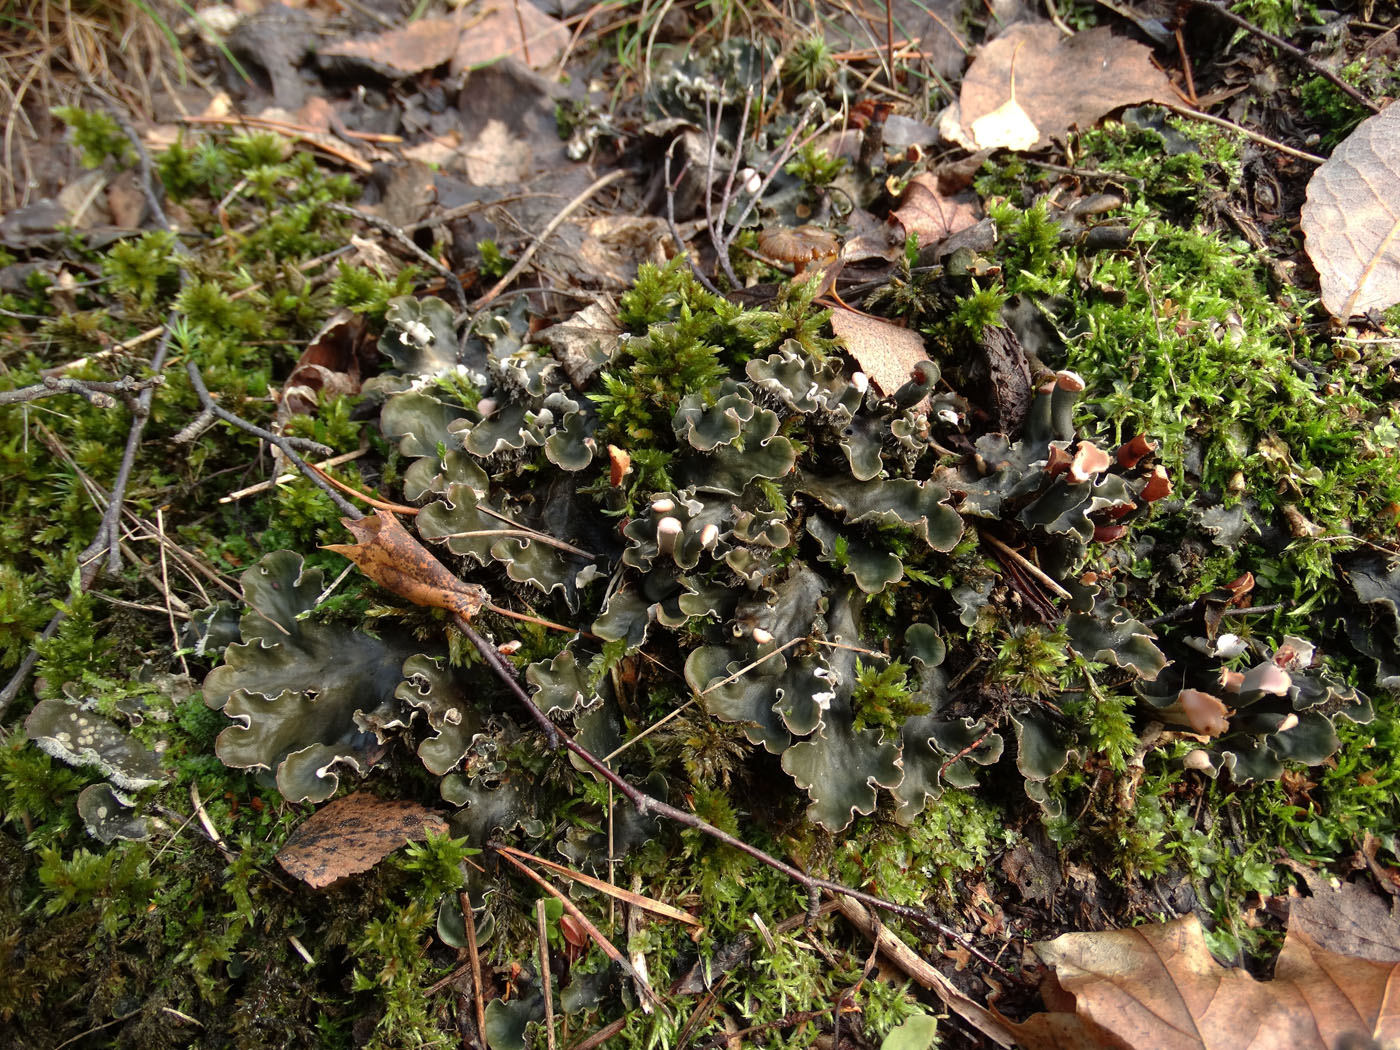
[(1157, 987), (388, 555), (353, 834)]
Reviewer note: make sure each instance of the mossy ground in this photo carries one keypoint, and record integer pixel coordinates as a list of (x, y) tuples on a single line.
[(1185, 335)]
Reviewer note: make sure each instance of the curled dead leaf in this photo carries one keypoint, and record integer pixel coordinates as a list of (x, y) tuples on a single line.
[(388, 555), (933, 215), (798, 245)]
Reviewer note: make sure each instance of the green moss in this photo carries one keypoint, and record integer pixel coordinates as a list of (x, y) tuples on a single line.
[(883, 697), (98, 137)]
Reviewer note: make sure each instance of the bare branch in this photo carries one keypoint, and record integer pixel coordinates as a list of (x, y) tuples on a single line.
[(288, 445), (646, 804)]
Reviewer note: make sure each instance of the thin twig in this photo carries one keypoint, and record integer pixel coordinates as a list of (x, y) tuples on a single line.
[(646, 804), (109, 533), (478, 993), (545, 980), (554, 223), (1292, 51), (601, 1036), (384, 225), (288, 445), (1029, 566), (671, 219), (282, 479), (1253, 136), (165, 589), (98, 394), (599, 938), (524, 534)]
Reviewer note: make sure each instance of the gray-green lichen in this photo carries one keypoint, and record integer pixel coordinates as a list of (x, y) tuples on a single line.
[(790, 505)]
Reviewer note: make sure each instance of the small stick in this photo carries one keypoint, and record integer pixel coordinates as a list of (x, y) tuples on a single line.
[(373, 501), (165, 588), (923, 973), (544, 973), (671, 220), (749, 667), (283, 479), (1029, 566), (601, 1036), (1292, 51), (517, 530), (554, 223), (599, 938), (453, 281), (282, 125), (889, 45), (1253, 136), (633, 897), (312, 139), (1186, 67), (288, 445), (535, 620), (439, 985), (646, 804), (650, 729), (515, 524), (469, 924), (97, 393), (525, 534)]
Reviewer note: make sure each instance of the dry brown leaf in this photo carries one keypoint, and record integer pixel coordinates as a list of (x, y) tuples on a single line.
[(615, 245), (1347, 918), (1032, 84), (420, 46), (333, 363), (1158, 988), (496, 157), (885, 352), (933, 215), (498, 36), (388, 555), (353, 834), (1351, 219)]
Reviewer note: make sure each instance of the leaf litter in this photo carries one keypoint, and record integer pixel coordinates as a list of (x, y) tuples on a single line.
[(1026, 90)]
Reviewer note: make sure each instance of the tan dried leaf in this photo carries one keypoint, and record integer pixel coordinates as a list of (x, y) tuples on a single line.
[(353, 834), (388, 555), (496, 157), (885, 352), (1032, 84), (335, 362), (422, 45), (1351, 219), (1158, 988), (932, 215), (497, 35)]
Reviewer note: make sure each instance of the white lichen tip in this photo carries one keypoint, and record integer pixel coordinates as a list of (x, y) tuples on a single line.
[(667, 530)]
